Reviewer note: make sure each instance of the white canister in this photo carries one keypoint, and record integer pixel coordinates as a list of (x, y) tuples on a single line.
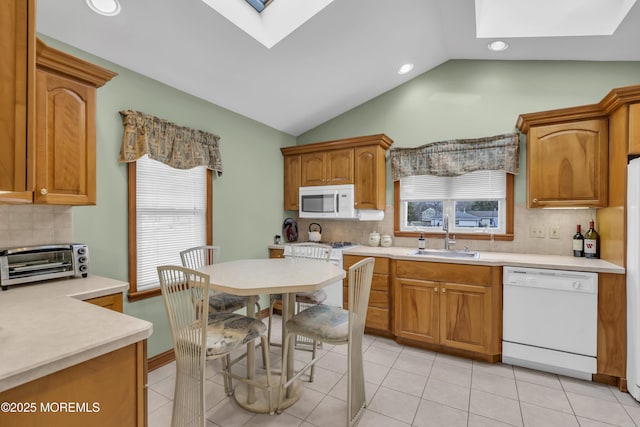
[(386, 240), (374, 239)]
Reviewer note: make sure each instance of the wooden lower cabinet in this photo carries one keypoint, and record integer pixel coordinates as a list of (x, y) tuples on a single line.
[(612, 329), (109, 390), (449, 307), (378, 310), (112, 302)]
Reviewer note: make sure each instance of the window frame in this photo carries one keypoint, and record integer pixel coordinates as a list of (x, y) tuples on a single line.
[(508, 235), (134, 294)]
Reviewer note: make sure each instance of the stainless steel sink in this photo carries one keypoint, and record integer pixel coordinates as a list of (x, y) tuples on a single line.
[(446, 254)]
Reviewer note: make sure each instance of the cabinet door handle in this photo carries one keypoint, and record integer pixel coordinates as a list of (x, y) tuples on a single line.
[(444, 290), (535, 200), (44, 191), (435, 289)]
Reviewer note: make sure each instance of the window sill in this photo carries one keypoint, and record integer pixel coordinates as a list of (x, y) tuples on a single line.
[(141, 295), (507, 237)]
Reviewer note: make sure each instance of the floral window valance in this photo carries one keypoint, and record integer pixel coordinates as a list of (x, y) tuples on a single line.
[(177, 146), (457, 157)]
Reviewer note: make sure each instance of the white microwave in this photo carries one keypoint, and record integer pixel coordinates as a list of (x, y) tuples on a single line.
[(327, 201)]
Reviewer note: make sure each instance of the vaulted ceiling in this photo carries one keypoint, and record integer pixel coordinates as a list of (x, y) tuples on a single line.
[(343, 56)]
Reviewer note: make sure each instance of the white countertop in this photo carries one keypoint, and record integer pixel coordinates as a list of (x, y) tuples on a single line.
[(495, 258), (46, 327)]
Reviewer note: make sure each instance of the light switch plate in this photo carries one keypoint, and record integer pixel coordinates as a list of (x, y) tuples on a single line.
[(554, 232), (537, 231)]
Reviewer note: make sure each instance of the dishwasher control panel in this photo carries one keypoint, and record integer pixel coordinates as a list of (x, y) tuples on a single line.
[(560, 280)]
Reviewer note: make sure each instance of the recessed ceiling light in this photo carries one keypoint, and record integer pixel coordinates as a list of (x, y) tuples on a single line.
[(104, 7), (405, 68), (498, 46)]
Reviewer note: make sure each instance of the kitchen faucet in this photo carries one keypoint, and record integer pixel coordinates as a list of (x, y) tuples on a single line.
[(445, 227)]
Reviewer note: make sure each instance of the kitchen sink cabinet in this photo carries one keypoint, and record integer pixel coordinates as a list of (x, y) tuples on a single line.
[(66, 90), (567, 159), (17, 58), (333, 167), (359, 161), (449, 307), (378, 310)]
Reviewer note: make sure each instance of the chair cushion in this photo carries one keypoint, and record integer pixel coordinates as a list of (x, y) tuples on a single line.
[(323, 323), (226, 302), (313, 297), (226, 331)]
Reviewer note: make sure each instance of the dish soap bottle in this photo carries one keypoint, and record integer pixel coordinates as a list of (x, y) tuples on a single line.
[(421, 242)]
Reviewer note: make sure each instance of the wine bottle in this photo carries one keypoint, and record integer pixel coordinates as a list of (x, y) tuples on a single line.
[(578, 243), (591, 242)]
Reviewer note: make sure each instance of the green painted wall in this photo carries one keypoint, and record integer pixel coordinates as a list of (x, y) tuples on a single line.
[(467, 99), (247, 199)]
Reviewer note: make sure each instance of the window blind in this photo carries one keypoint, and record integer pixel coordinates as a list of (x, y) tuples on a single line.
[(471, 186), (171, 216)]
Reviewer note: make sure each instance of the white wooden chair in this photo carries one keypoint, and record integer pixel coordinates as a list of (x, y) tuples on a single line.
[(219, 302), (198, 336), (336, 326), (306, 252)]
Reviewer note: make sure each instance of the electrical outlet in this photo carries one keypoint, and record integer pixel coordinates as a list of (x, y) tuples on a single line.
[(537, 232), (554, 232)]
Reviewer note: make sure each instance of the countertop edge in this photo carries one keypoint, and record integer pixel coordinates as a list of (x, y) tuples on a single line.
[(556, 262), (64, 300)]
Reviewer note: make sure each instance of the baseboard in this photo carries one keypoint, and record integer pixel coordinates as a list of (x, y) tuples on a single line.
[(161, 359)]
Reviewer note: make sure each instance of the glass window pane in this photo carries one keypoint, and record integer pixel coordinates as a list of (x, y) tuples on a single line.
[(477, 214), (426, 213)]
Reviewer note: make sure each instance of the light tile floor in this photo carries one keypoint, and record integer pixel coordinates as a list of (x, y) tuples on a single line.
[(412, 387)]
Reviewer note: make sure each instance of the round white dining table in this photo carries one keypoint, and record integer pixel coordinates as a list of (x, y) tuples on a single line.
[(253, 277)]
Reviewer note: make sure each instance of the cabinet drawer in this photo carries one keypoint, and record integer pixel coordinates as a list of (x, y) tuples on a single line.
[(443, 272), (381, 265), (377, 318), (376, 298)]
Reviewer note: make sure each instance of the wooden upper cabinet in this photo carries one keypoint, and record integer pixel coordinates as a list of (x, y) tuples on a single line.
[(370, 177), (66, 127), (291, 182), (17, 58), (333, 167), (567, 157), (359, 161), (634, 128)]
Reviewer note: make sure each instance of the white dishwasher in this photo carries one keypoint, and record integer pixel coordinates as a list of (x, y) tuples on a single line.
[(550, 320)]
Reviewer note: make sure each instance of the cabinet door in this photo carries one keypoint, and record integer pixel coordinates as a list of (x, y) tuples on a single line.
[(568, 164), (370, 177), (65, 141), (416, 314), (313, 170), (465, 317), (17, 55), (634, 129), (339, 164), (111, 302), (291, 182)]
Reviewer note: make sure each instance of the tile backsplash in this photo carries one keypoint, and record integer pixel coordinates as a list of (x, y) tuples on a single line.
[(26, 225), (564, 219)]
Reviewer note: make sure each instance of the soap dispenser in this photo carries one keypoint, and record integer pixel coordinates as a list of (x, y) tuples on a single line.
[(421, 242)]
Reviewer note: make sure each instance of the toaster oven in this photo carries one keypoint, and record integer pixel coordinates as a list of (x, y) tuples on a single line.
[(44, 262)]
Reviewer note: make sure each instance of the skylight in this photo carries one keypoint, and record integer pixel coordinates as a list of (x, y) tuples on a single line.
[(549, 18), (259, 5), (274, 23)]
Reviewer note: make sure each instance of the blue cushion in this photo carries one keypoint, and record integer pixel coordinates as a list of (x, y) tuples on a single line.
[(226, 302)]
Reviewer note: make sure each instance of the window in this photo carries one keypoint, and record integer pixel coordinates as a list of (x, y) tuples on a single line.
[(476, 203), (169, 211)]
